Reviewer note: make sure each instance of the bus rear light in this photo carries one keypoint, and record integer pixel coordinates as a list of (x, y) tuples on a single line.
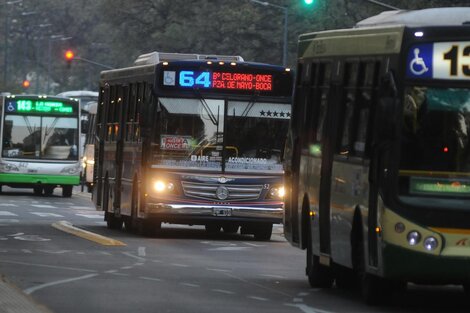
[(430, 243), (413, 237)]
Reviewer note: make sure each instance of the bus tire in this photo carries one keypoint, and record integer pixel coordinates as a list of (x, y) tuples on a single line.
[(67, 191), (319, 276), (263, 231), (230, 228), (37, 191), (212, 229), (48, 191), (113, 222)]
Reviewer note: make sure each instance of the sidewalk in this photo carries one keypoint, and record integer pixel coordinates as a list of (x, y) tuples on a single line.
[(13, 300)]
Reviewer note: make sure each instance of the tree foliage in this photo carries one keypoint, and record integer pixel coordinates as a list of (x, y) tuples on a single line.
[(114, 32)]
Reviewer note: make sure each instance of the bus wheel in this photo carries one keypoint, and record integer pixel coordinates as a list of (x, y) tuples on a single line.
[(37, 191), (230, 228), (263, 231), (113, 222), (212, 228), (48, 191), (67, 191), (319, 276)]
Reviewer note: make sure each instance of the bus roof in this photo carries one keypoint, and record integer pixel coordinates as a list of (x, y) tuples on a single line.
[(78, 94), (157, 57), (445, 16)]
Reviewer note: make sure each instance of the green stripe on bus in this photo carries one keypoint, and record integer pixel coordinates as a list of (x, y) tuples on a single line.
[(43, 179)]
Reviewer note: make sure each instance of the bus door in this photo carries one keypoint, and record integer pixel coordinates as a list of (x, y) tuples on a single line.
[(123, 93), (328, 148), (101, 117)]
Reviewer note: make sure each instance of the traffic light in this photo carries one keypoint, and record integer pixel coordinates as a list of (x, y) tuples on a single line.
[(69, 56), (26, 83), (308, 2)]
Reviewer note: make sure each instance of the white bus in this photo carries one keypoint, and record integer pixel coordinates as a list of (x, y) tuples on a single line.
[(88, 105), (40, 143)]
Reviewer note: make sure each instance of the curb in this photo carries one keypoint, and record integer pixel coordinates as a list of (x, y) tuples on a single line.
[(13, 300), (70, 229)]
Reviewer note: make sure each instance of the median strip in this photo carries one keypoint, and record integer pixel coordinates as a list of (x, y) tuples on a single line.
[(70, 229)]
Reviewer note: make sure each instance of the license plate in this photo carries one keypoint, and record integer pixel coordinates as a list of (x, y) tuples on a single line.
[(221, 212)]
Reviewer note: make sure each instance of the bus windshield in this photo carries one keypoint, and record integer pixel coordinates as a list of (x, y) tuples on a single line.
[(435, 149), (192, 133), (40, 137)]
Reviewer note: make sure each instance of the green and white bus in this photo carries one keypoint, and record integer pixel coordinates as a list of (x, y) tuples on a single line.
[(40, 143), (378, 153)]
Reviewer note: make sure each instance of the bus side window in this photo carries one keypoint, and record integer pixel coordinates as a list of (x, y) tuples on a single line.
[(324, 76), (348, 109)]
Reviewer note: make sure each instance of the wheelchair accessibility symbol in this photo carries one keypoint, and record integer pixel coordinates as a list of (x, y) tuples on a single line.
[(417, 65)]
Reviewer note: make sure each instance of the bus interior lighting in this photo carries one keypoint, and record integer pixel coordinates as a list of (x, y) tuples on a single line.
[(413, 237), (165, 63), (419, 34), (287, 69), (209, 62), (221, 63), (233, 63)]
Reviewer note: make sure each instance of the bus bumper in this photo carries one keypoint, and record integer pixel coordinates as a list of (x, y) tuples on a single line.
[(406, 265), (176, 212)]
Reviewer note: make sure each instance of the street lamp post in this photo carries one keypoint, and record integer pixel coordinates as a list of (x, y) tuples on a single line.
[(284, 9)]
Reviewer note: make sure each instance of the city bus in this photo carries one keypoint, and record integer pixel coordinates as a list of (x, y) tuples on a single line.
[(377, 159), (192, 139), (40, 139), (88, 104)]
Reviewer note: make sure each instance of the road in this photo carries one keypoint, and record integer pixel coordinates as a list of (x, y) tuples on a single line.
[(182, 270)]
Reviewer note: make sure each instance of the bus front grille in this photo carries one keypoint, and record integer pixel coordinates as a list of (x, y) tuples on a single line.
[(233, 192)]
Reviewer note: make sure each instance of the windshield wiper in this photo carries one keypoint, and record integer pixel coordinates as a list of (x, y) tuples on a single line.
[(206, 107)]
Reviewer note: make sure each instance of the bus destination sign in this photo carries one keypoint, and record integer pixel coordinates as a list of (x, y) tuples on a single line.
[(219, 80), (39, 106), (439, 60)]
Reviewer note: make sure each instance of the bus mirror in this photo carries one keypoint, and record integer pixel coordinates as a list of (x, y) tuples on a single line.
[(84, 126)]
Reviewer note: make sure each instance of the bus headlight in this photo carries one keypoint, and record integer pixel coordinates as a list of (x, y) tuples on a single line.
[(430, 243), (8, 167), (161, 186), (413, 237), (277, 192)]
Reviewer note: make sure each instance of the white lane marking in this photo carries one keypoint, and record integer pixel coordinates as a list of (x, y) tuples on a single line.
[(26, 251), (190, 285), (44, 206), (90, 216), (111, 271), (150, 278), (8, 204), (31, 238), (141, 251), (6, 213), (306, 309), (88, 208), (127, 267), (227, 292), (54, 251), (254, 244), (297, 300), (230, 249), (44, 214), (257, 298), (5, 222), (120, 274), (134, 256), (303, 294), (139, 264), (58, 282), (179, 265), (218, 270), (14, 235), (49, 266), (105, 253), (272, 276)]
